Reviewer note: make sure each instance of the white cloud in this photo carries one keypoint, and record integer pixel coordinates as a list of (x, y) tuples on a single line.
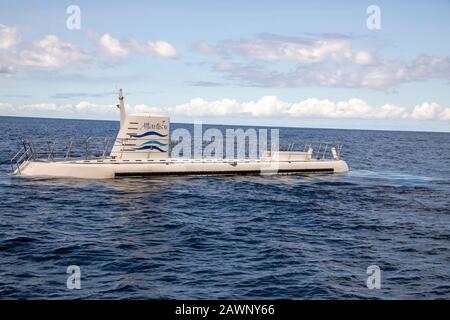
[(379, 75), (202, 107), (6, 70), (425, 67), (271, 106), (310, 50), (265, 107), (86, 107), (112, 47), (9, 37), (204, 47), (121, 48), (429, 111), (326, 60), (40, 107), (6, 108), (143, 108), (158, 48), (81, 109), (363, 57), (445, 114), (50, 52)]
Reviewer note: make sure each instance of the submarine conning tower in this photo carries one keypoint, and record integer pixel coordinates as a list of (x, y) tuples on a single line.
[(141, 135)]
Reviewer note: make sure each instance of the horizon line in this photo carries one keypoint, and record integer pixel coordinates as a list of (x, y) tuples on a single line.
[(243, 125)]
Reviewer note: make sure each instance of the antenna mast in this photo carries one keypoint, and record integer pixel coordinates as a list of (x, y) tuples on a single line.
[(121, 107)]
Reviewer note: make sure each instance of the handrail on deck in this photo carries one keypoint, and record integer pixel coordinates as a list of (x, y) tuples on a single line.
[(319, 150), (45, 149)]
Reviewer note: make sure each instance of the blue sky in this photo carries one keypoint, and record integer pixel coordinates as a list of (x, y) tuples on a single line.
[(311, 64)]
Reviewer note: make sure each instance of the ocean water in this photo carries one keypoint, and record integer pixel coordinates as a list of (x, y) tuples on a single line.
[(233, 237)]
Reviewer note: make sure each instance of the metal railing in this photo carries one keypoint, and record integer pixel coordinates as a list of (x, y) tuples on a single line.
[(92, 147), (65, 149), (25, 153), (320, 150)]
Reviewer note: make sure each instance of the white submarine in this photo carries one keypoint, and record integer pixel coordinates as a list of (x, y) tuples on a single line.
[(142, 148)]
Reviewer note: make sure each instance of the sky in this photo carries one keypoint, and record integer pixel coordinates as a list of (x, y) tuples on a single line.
[(324, 64)]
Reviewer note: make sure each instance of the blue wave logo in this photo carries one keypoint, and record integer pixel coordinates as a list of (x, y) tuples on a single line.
[(155, 142), (151, 148), (149, 133)]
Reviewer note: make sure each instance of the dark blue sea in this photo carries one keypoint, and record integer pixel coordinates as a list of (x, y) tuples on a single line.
[(232, 237)]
